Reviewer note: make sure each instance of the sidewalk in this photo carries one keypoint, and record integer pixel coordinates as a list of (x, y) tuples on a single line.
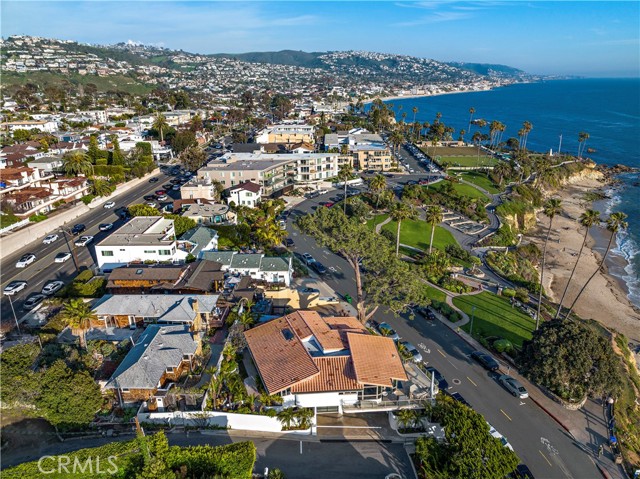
[(587, 425)]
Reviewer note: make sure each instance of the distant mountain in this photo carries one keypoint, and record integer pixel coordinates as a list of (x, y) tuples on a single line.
[(284, 57), (489, 69)]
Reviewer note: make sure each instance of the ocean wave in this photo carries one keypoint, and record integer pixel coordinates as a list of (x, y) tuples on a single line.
[(628, 249), (615, 198)]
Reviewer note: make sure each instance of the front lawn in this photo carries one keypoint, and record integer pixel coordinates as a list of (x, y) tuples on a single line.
[(481, 180), (494, 316), (417, 233), (461, 189)]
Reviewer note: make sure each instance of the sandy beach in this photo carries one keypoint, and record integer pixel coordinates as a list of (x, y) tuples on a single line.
[(605, 300)]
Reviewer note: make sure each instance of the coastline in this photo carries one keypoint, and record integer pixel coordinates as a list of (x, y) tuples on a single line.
[(605, 300), (425, 95)]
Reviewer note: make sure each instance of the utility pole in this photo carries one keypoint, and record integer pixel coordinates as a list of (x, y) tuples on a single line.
[(473, 311), (14, 314), (72, 250)]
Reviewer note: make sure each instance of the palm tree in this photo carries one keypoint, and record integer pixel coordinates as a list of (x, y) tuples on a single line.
[(583, 136), (415, 111), (377, 185), (615, 223), (396, 140), (303, 417), (101, 187), (405, 417), (77, 163), (286, 416), (527, 127), (472, 110), (550, 208), (345, 174), (399, 212), (78, 315), (587, 219), (160, 124), (434, 216)]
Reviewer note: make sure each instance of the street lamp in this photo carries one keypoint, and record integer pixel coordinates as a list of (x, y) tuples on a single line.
[(14, 314), (473, 310)]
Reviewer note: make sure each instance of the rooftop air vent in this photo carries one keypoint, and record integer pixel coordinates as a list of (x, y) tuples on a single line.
[(139, 271)]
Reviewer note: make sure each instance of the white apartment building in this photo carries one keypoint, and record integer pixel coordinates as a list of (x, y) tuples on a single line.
[(42, 125), (245, 194), (287, 133), (143, 238)]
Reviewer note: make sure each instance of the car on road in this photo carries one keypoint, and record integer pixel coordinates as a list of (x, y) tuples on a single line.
[(310, 290), (26, 260), (175, 187), (307, 259), (167, 186), (521, 472), (161, 192), (52, 288), (318, 267), (83, 240), (33, 302), (388, 331), (458, 397), (149, 197), (163, 197), (153, 180), (62, 257), (105, 226), (77, 229), (412, 350), (283, 225), (153, 204), (288, 242), (443, 385), (500, 437), (109, 204), (14, 287), (327, 204), (485, 360), (50, 239), (513, 386), (426, 313)]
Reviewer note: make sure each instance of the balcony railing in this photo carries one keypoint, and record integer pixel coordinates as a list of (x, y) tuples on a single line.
[(384, 405)]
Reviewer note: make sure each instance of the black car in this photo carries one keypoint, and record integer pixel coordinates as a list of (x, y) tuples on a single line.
[(153, 180), (426, 313), (485, 361), (289, 243), (33, 301), (442, 382), (458, 397), (77, 229), (522, 472), (318, 267)]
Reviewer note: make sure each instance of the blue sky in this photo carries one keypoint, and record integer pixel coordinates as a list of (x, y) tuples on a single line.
[(575, 38)]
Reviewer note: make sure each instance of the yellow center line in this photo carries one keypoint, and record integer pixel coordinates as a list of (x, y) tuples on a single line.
[(443, 355), (471, 381), (545, 458), (505, 415)]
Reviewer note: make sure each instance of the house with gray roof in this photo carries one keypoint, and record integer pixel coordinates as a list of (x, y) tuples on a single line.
[(160, 356), (270, 269), (198, 239)]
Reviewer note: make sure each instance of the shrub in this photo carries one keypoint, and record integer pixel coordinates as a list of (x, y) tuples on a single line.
[(101, 161), (86, 199), (508, 292), (37, 218), (503, 346), (84, 276), (522, 295)]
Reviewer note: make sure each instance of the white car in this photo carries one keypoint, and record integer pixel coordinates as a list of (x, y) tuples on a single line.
[(175, 187), (52, 288), (84, 240), (62, 257), (109, 204), (307, 258), (26, 260), (50, 239), (163, 198), (14, 287), (105, 226)]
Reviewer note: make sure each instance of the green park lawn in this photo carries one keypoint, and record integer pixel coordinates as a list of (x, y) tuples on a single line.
[(417, 233), (435, 294), (481, 180), (494, 316), (472, 161), (461, 189), (371, 224)]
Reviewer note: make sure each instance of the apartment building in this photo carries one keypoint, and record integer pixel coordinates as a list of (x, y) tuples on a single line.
[(275, 173), (287, 133), (364, 150)]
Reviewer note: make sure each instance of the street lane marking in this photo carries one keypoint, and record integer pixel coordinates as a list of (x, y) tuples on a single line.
[(443, 355), (507, 416), (477, 386), (545, 458), (522, 403)]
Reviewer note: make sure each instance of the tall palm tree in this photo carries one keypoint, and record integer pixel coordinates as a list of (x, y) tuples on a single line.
[(78, 315), (550, 208), (472, 110), (615, 223), (587, 219), (160, 124), (415, 111), (101, 187), (434, 216), (287, 416), (527, 127), (377, 185), (344, 174), (396, 140), (583, 136), (399, 212), (77, 163)]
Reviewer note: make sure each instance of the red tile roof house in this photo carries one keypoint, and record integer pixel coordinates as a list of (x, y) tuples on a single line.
[(328, 363)]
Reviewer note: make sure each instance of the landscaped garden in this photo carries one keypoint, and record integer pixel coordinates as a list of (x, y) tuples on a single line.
[(494, 316)]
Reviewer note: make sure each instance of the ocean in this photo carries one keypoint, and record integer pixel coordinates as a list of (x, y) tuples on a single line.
[(607, 109)]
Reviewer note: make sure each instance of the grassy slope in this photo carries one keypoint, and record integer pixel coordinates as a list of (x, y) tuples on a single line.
[(461, 189), (435, 294), (494, 316), (481, 180), (43, 79), (416, 233)]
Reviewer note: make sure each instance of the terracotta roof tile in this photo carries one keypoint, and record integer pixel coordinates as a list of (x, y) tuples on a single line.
[(299, 325), (336, 374), (375, 359)]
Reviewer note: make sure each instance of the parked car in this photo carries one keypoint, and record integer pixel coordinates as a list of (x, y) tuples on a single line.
[(388, 331), (153, 180), (327, 204), (167, 186), (283, 225), (50, 239), (62, 257), (153, 204), (33, 302), (443, 385), (513, 386), (52, 288), (163, 197), (83, 240), (500, 437), (485, 360), (160, 192), (77, 229), (411, 349), (307, 259), (426, 313), (175, 187), (310, 290), (109, 204), (26, 260), (289, 243), (149, 197), (318, 267), (105, 226), (14, 287), (521, 472), (458, 397)]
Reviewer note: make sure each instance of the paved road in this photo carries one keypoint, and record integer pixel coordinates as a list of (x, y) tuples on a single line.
[(44, 269), (300, 460), (536, 438)]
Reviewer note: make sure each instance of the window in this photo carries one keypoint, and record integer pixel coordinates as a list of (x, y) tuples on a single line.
[(169, 370), (107, 253), (150, 251), (164, 252), (125, 390)]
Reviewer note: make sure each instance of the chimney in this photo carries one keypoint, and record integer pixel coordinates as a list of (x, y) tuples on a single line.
[(195, 306)]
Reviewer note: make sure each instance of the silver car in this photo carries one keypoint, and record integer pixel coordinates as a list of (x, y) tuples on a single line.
[(513, 386)]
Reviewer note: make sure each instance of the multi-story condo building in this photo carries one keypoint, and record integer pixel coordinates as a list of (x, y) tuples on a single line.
[(287, 133), (364, 150), (275, 173)]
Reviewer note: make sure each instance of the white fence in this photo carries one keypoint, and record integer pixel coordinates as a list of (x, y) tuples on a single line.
[(12, 227)]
